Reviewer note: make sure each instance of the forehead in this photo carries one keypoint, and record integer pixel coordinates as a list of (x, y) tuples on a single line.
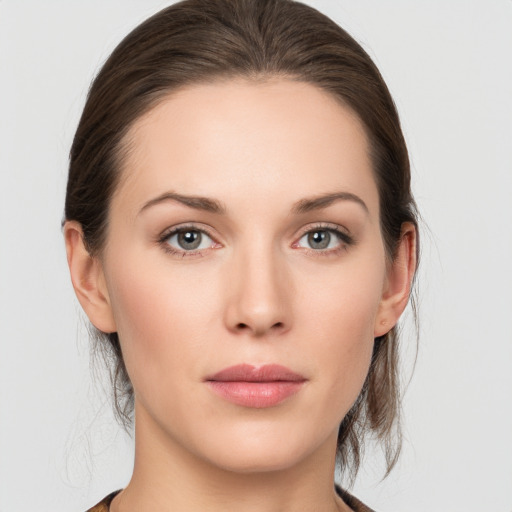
[(279, 139)]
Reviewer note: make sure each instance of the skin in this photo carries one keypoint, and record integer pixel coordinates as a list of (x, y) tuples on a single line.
[(257, 291)]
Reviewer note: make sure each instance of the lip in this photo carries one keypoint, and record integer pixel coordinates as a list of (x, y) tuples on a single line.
[(257, 387)]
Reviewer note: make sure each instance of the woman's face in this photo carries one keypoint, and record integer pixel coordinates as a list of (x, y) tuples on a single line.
[(245, 231)]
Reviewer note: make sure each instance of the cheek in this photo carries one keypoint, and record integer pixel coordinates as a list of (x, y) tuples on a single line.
[(161, 318), (346, 299), (340, 315)]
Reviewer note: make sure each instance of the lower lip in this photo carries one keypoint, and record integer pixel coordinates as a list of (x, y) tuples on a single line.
[(256, 394)]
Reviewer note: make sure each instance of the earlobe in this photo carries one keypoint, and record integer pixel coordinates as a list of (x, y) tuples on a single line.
[(88, 279), (398, 282)]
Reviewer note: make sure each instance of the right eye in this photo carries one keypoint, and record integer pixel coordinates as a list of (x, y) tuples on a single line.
[(186, 240)]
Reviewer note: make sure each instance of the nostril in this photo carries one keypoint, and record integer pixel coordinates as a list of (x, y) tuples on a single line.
[(243, 326)]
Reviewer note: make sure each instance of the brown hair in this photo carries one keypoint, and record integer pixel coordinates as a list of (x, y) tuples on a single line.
[(203, 40)]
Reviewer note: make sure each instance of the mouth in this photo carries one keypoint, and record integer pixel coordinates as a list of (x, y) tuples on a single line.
[(249, 386)]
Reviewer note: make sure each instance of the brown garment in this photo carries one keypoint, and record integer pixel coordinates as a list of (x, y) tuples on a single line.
[(104, 504), (353, 503)]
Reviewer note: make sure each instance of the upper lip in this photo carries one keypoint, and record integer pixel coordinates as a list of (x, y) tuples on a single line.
[(250, 373)]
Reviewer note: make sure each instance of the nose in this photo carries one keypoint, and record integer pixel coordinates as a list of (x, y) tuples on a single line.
[(260, 295)]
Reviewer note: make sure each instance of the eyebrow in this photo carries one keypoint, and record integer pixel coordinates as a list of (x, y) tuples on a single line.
[(325, 200), (196, 202), (213, 206)]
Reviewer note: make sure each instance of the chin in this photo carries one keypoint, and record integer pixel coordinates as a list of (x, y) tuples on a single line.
[(264, 461), (276, 451)]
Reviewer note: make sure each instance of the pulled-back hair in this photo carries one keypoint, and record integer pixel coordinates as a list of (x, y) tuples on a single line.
[(197, 41)]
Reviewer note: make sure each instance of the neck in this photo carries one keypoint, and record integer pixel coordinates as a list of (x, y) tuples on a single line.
[(169, 477)]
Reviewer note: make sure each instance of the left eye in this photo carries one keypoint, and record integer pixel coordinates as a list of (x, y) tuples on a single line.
[(189, 240), (320, 239)]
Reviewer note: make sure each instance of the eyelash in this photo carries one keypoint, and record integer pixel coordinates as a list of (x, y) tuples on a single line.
[(164, 238), (345, 240)]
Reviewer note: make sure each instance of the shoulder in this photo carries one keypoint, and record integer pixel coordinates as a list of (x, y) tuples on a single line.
[(104, 504), (352, 502)]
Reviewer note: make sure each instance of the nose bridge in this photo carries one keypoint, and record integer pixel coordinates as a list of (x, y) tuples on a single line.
[(260, 302)]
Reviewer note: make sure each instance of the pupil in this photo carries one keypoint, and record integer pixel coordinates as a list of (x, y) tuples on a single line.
[(189, 239), (319, 239)]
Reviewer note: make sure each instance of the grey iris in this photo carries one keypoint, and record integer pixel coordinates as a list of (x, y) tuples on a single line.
[(189, 239), (319, 239)]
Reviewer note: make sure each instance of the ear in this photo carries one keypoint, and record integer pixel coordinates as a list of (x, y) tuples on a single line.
[(88, 279), (397, 286)]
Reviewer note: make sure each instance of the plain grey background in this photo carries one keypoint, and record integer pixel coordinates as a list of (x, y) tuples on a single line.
[(449, 67)]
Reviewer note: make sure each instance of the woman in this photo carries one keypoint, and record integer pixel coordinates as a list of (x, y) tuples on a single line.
[(241, 232)]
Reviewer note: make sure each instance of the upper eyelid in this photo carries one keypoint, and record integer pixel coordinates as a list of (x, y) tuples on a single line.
[(326, 226), (322, 225), (166, 233)]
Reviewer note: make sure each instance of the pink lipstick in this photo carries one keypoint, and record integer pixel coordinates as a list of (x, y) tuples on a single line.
[(246, 385)]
